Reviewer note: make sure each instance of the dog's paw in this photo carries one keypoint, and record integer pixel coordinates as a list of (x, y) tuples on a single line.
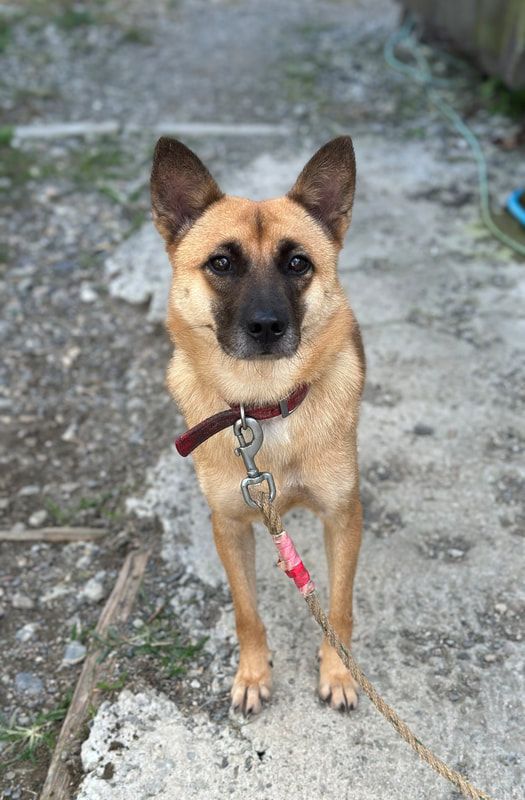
[(336, 686), (252, 685)]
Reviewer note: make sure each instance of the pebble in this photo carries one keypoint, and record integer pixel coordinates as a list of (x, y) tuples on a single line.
[(69, 433), (27, 491), (74, 653), (94, 591), (38, 518), (454, 552), (195, 684), (28, 682), (26, 632), (490, 658), (423, 430), (4, 502), (55, 592), (501, 608), (87, 293), (2, 611), (20, 600)]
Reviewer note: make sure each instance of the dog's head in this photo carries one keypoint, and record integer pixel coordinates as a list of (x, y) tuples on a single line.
[(255, 279)]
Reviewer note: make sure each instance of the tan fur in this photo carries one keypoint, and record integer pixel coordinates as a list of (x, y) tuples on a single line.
[(312, 454)]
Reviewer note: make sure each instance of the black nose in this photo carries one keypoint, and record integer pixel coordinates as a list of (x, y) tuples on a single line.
[(266, 326)]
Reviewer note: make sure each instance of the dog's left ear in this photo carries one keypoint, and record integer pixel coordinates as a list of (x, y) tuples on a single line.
[(181, 188), (326, 186)]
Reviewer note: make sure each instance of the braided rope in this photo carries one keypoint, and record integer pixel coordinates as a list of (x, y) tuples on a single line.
[(273, 522)]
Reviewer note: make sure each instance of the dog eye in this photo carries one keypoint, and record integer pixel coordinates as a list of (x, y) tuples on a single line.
[(299, 265), (219, 264)]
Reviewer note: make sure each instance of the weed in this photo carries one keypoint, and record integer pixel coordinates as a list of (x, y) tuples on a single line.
[(22, 742), (59, 515), (5, 34), (6, 135), (116, 686), (93, 502), (137, 36), (105, 160), (155, 639), (72, 18), (501, 100), (64, 516)]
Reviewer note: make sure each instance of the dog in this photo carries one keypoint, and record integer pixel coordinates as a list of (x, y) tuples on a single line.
[(255, 311)]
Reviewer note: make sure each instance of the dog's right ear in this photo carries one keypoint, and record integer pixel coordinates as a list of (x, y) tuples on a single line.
[(181, 188)]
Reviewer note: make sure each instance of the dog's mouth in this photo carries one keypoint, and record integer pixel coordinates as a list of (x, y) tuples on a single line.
[(243, 348)]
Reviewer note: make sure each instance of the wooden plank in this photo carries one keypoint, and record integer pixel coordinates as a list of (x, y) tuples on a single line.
[(490, 32), (116, 611), (54, 535)]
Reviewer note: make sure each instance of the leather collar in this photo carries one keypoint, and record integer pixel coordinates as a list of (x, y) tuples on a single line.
[(188, 441)]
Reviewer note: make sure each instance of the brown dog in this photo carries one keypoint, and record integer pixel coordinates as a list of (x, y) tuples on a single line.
[(255, 311)]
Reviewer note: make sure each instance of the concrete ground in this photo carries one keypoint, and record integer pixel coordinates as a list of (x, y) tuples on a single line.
[(439, 601), (438, 591)]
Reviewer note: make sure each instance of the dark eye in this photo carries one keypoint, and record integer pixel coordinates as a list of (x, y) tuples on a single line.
[(299, 265), (219, 264)]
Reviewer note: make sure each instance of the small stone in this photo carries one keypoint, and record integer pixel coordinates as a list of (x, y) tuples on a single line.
[(454, 552), (69, 433), (29, 683), (74, 653), (87, 293), (22, 601), (138, 623), (4, 502), (490, 658), (38, 518), (27, 491), (423, 430), (195, 684), (18, 527), (94, 591), (501, 608), (55, 592), (2, 611), (26, 632)]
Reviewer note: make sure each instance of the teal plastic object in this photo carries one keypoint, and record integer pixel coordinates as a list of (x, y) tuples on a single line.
[(515, 207)]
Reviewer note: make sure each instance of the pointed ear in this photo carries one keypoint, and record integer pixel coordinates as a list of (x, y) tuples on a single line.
[(326, 186), (181, 188)]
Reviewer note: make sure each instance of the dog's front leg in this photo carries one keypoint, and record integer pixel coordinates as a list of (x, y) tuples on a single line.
[(342, 533), (235, 544)]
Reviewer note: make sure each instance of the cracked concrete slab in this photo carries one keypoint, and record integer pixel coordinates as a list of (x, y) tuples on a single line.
[(439, 608)]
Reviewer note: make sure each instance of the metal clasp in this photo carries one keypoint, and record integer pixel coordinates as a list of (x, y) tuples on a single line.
[(248, 450)]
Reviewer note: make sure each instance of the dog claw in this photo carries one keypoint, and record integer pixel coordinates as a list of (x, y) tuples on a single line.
[(250, 692), (339, 695)]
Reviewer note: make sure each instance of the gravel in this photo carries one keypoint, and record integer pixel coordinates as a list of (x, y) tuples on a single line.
[(29, 683), (87, 423)]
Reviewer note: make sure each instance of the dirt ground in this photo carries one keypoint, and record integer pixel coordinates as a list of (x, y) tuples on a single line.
[(87, 423)]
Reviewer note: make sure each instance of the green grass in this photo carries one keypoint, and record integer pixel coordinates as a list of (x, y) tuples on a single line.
[(105, 160), (156, 640), (501, 100), (5, 34), (137, 36), (115, 686), (59, 515), (64, 515), (19, 166), (71, 18), (24, 742), (6, 135)]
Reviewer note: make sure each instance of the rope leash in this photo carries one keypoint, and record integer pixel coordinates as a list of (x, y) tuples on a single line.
[(291, 563)]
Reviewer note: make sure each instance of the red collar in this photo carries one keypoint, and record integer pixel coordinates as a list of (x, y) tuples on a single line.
[(187, 442)]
